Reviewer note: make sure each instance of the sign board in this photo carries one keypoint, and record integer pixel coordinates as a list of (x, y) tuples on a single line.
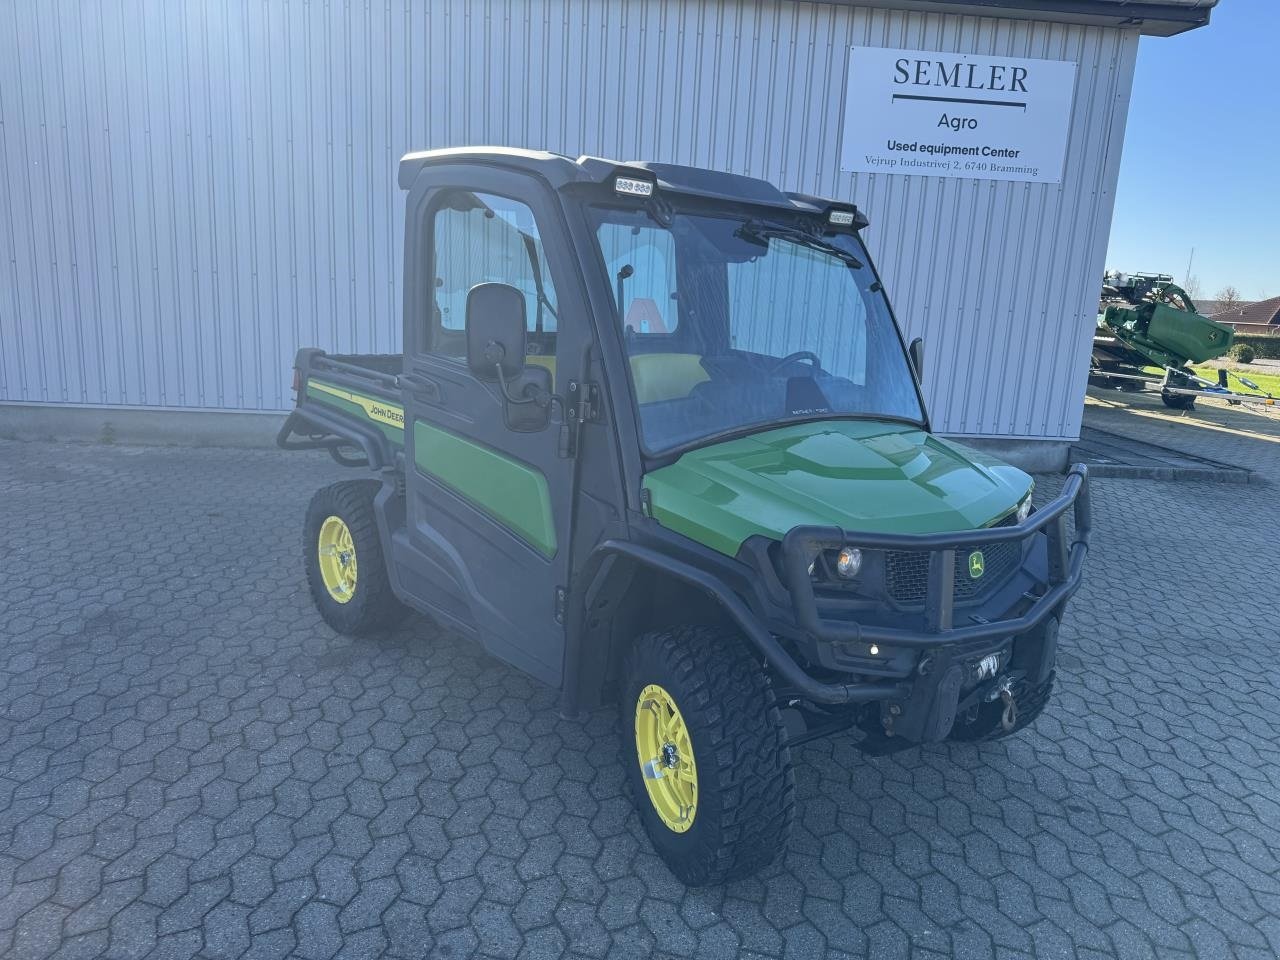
[(956, 115)]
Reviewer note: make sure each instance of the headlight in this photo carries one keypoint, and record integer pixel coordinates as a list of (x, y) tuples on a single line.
[(1024, 509), (849, 562)]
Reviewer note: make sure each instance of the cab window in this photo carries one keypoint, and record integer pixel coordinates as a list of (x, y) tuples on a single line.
[(767, 316), (482, 238), (641, 265)]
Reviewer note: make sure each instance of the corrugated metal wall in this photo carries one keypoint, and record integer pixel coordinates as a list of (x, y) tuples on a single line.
[(190, 190)]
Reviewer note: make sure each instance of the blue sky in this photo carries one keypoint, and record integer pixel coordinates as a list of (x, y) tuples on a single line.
[(1201, 164)]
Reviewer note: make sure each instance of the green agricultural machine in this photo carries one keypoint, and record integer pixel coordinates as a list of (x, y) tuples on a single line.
[(1145, 320)]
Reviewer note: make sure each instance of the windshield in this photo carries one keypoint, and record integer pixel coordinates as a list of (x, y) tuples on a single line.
[(731, 322)]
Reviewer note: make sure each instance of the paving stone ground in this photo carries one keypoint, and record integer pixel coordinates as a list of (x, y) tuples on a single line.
[(191, 763)]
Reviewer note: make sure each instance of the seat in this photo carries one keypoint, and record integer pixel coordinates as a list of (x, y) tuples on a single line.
[(666, 376), (657, 376)]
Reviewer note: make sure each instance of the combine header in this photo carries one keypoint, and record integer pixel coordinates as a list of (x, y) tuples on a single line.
[(1145, 320)]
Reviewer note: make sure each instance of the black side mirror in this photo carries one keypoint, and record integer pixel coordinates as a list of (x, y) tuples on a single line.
[(916, 352), (495, 351), (495, 331)]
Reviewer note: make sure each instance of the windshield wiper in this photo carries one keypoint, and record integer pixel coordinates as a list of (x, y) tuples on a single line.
[(760, 232)]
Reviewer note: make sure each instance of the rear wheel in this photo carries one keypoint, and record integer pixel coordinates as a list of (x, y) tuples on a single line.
[(705, 751), (343, 557), (986, 720), (1179, 401)]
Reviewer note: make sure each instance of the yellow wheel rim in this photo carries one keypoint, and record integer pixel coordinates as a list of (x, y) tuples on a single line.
[(337, 559), (666, 759)]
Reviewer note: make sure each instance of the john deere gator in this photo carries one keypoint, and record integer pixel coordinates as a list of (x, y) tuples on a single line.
[(655, 438)]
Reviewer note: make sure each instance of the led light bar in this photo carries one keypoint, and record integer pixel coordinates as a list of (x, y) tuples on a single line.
[(840, 218), (633, 187)]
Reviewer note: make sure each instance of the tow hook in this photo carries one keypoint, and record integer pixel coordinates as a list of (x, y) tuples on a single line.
[(1004, 690)]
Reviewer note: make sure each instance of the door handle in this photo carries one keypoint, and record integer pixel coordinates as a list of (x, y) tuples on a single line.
[(420, 387)]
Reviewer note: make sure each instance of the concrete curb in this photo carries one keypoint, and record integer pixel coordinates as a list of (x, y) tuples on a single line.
[(1203, 475), (1117, 455), (131, 425), (1033, 456)]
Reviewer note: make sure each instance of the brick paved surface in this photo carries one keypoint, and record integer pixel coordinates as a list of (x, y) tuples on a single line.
[(191, 763)]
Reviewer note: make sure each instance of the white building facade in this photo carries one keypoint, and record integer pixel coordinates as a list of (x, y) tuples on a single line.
[(190, 191)]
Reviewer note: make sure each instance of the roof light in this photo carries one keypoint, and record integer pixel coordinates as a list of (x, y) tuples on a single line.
[(633, 187), (840, 218)]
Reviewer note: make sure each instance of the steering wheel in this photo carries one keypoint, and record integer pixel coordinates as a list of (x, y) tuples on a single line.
[(798, 355)]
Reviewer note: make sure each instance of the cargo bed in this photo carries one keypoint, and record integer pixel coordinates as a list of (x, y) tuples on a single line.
[(348, 404)]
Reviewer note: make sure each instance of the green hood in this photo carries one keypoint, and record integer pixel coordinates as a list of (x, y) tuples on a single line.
[(860, 475)]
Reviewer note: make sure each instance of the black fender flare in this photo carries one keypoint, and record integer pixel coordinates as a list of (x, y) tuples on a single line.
[(598, 569)]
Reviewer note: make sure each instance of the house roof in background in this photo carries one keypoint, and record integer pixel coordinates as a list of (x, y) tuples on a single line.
[(1207, 308), (1262, 312)]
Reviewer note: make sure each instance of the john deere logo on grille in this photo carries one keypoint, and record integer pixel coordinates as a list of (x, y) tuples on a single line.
[(977, 564)]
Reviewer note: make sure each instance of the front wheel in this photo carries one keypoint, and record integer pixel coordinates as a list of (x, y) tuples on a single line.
[(706, 754), (1177, 401), (344, 562)]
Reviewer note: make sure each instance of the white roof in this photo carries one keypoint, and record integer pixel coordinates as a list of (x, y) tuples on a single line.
[(1162, 18)]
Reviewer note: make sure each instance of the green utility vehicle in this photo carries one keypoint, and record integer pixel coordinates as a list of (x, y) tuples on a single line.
[(655, 439)]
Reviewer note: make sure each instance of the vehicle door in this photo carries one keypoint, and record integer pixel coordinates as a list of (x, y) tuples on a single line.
[(489, 491)]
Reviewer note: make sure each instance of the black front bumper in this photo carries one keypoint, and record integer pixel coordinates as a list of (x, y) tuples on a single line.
[(928, 664), (1065, 565), (933, 660)]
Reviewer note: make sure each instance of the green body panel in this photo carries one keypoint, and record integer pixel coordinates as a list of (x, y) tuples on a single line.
[(859, 475), (513, 493), (387, 417)]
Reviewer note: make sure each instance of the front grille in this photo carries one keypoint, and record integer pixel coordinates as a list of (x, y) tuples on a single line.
[(907, 571)]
